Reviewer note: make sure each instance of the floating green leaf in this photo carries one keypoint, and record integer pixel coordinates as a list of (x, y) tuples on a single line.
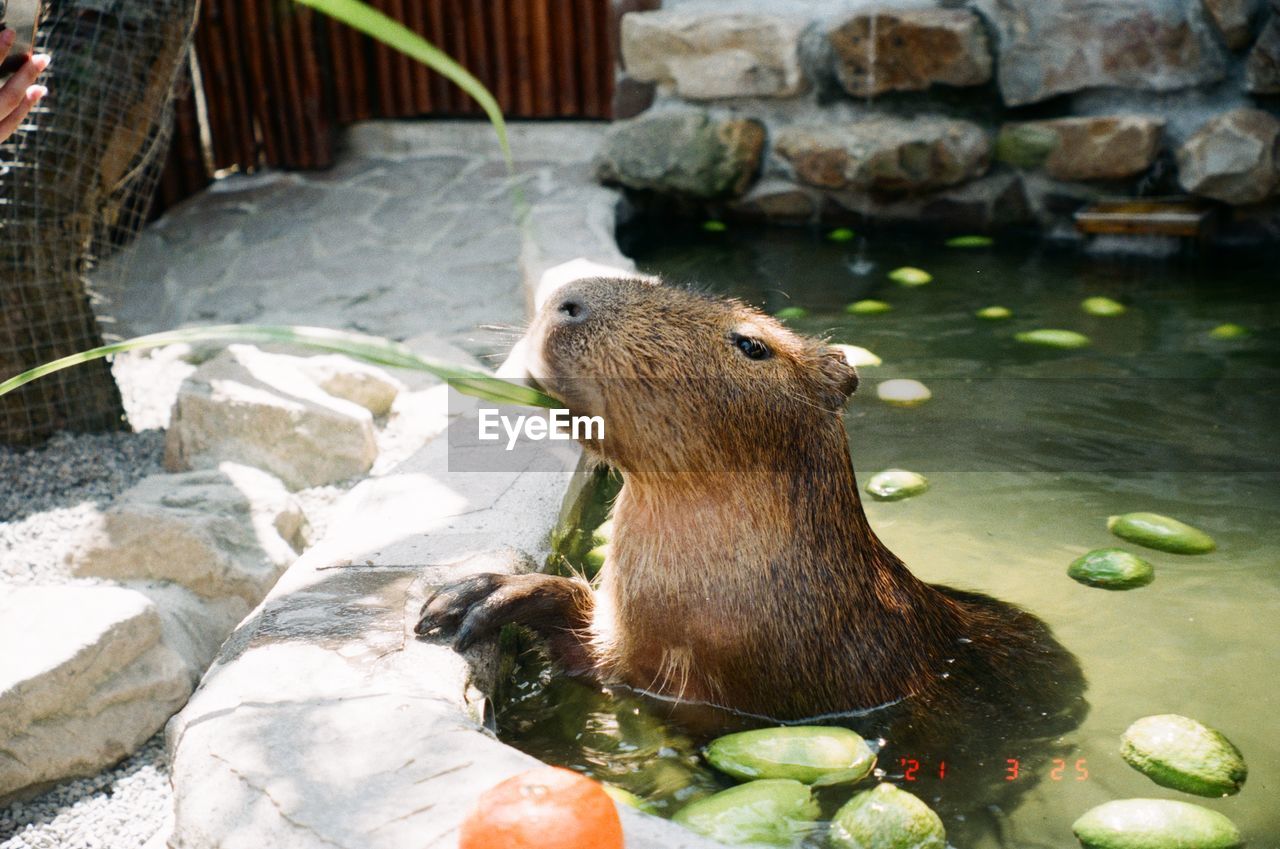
[(1111, 569), (841, 234), (714, 226), (816, 755), (773, 812), (896, 484), (791, 312), (969, 242), (1161, 533), (868, 307), (1050, 338), (593, 560), (903, 392), (887, 818), (371, 349), (1181, 753), (909, 276), (1101, 306), (1228, 331), (994, 313), (623, 796), (1155, 824), (857, 356)]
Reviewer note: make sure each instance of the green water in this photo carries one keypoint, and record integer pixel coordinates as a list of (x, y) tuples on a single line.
[(1028, 451)]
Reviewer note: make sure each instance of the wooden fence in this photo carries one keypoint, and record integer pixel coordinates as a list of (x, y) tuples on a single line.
[(277, 78)]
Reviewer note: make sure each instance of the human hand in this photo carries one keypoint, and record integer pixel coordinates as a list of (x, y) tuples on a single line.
[(19, 93)]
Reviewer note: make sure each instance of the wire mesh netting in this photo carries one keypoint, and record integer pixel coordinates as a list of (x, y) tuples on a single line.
[(76, 183)]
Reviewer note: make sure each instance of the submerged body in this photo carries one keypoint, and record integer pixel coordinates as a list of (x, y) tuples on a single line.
[(743, 572)]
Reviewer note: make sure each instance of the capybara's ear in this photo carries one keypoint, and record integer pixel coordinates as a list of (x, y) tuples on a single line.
[(839, 373)]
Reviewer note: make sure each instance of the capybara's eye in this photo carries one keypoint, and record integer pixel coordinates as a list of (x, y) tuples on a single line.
[(753, 348)]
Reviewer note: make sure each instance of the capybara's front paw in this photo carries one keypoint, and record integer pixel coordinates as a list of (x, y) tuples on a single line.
[(448, 609), (476, 607)]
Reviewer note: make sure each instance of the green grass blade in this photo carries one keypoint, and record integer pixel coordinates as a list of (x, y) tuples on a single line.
[(394, 34), (371, 349)]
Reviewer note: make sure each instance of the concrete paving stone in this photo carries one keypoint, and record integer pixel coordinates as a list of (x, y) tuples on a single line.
[(393, 228), (332, 236), (421, 178), (404, 222), (559, 142), (229, 305), (198, 220)]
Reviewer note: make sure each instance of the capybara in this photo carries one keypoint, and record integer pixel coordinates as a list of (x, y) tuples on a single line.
[(743, 572)]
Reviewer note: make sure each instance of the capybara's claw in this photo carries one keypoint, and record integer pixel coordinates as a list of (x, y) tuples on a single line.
[(445, 608), (476, 607)]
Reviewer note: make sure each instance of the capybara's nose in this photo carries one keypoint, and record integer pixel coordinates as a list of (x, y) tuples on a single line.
[(572, 309)]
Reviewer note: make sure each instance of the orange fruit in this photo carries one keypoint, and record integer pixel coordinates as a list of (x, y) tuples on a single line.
[(544, 808)]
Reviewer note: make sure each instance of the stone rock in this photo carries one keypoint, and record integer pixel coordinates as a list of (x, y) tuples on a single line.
[(884, 154), (1234, 19), (1046, 49), (1093, 148), (354, 381), (91, 683), (990, 203), (193, 626), (710, 55), (909, 50), (260, 409), (1262, 70), (1053, 203), (682, 152), (631, 97), (776, 199), (1234, 158), (220, 532)]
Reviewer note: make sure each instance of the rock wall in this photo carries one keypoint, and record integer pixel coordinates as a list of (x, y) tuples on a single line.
[(961, 114)]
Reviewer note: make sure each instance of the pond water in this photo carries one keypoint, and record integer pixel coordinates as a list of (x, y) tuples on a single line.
[(1028, 451)]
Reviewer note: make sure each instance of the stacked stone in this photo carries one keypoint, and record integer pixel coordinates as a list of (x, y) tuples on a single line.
[(911, 111)]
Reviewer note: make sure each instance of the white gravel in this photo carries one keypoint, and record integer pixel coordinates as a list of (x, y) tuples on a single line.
[(119, 808), (53, 491)]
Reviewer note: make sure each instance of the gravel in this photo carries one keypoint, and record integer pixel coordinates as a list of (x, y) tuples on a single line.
[(53, 492), (71, 469), (122, 807)]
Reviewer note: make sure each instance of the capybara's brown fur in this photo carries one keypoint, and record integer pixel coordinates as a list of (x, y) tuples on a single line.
[(743, 571)]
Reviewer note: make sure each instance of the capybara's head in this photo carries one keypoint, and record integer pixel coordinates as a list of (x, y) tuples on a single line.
[(685, 381)]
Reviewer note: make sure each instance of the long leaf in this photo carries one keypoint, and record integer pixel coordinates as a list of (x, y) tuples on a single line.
[(394, 34), (368, 348)]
